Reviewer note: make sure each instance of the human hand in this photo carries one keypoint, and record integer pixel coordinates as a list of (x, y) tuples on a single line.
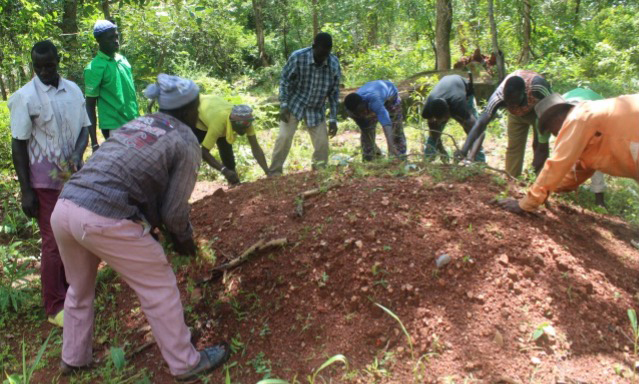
[(186, 247), (284, 115), (30, 205), (76, 162), (94, 148), (332, 129), (511, 205), (231, 176)]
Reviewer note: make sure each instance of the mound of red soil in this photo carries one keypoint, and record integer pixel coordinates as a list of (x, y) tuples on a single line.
[(375, 240)]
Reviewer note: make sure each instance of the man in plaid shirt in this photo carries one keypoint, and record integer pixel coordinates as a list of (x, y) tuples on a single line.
[(310, 76)]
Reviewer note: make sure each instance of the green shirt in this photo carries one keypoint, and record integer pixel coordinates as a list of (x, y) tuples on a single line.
[(110, 80)]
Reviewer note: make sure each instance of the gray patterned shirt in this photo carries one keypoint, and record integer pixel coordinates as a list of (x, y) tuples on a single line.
[(146, 170)]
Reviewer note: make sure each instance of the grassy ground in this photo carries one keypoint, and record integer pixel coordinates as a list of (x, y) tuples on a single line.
[(20, 309)]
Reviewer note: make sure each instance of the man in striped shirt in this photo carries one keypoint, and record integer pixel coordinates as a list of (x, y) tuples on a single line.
[(518, 93), (310, 76)]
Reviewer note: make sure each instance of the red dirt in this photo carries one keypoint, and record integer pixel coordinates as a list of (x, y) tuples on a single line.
[(374, 240)]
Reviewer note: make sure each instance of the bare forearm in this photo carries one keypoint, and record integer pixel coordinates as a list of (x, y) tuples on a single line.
[(211, 160), (20, 156), (91, 103), (81, 142)]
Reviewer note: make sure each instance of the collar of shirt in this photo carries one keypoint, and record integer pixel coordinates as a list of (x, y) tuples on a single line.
[(116, 56), (46, 88), (311, 59)]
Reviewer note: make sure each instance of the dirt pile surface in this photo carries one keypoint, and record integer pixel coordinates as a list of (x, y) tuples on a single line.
[(540, 298)]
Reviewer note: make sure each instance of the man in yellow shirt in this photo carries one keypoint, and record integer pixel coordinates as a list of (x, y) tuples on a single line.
[(600, 135), (220, 123)]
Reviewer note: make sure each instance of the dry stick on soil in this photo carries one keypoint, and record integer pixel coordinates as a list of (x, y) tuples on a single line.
[(260, 245), (299, 200)]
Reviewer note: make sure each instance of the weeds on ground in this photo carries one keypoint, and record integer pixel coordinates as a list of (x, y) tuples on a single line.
[(27, 371), (312, 378)]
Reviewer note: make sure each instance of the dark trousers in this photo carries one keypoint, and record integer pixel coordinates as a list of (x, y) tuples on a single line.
[(54, 283), (226, 153)]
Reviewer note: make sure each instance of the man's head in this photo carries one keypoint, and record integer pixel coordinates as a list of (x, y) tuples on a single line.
[(552, 112), (241, 118), (106, 33), (436, 111), (177, 97), (322, 46), (45, 60), (355, 104), (514, 91)]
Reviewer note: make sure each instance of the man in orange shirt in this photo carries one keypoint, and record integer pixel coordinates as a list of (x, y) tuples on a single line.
[(600, 135)]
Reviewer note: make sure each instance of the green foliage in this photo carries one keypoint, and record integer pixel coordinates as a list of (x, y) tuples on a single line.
[(27, 371), (14, 292), (397, 319)]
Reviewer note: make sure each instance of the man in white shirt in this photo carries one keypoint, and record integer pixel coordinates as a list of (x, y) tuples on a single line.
[(49, 126)]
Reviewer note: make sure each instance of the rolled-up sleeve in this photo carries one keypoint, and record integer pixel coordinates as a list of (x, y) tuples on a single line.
[(175, 208), (21, 124), (571, 142)]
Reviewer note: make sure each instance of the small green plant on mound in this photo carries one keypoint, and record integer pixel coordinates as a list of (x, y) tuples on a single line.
[(27, 371), (632, 315), (311, 379)]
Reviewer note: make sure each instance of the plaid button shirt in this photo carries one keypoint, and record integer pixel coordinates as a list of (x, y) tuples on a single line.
[(305, 86)]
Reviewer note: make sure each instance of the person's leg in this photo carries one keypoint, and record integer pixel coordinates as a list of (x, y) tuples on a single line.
[(397, 118), (367, 139), (517, 136), (81, 269), (54, 284), (434, 143), (132, 252), (106, 133), (226, 153), (283, 145), (319, 139), (598, 187)]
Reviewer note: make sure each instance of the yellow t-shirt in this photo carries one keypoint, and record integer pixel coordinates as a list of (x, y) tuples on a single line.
[(213, 118)]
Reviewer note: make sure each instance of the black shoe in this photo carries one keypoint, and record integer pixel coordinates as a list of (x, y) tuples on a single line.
[(210, 359), (66, 369)]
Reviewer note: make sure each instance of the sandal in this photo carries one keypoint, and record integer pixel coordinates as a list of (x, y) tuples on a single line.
[(210, 359)]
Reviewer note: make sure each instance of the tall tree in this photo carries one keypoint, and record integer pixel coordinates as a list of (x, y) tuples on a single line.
[(524, 57), (315, 10), (443, 27), (106, 9), (501, 67), (259, 31)]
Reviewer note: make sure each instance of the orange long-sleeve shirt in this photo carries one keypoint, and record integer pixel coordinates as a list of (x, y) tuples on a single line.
[(598, 135)]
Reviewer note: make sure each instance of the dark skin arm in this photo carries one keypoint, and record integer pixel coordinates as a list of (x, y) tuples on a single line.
[(540, 156), (185, 248), (20, 155), (475, 132), (91, 106), (231, 176), (78, 151), (258, 153)]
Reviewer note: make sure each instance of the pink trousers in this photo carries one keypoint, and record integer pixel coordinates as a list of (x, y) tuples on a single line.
[(84, 238)]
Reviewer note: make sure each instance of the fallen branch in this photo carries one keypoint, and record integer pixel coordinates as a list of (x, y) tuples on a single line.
[(259, 246), (299, 200)]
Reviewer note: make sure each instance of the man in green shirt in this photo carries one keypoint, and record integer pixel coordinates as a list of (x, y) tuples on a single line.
[(108, 83)]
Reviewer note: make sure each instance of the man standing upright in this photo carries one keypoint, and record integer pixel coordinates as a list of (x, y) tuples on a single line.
[(108, 83), (309, 77), (49, 129)]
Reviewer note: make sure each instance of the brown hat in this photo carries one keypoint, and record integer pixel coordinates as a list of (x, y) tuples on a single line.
[(548, 107)]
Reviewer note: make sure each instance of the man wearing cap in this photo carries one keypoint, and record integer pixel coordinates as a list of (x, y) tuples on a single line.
[(518, 93), (310, 76), (377, 101), (108, 83), (599, 135), (452, 97), (141, 178), (49, 128), (222, 121)]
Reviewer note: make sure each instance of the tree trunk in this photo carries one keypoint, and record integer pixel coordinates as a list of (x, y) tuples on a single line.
[(106, 10), (443, 26), (501, 68), (259, 32), (3, 88), (69, 25), (316, 27), (373, 26), (525, 49)]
